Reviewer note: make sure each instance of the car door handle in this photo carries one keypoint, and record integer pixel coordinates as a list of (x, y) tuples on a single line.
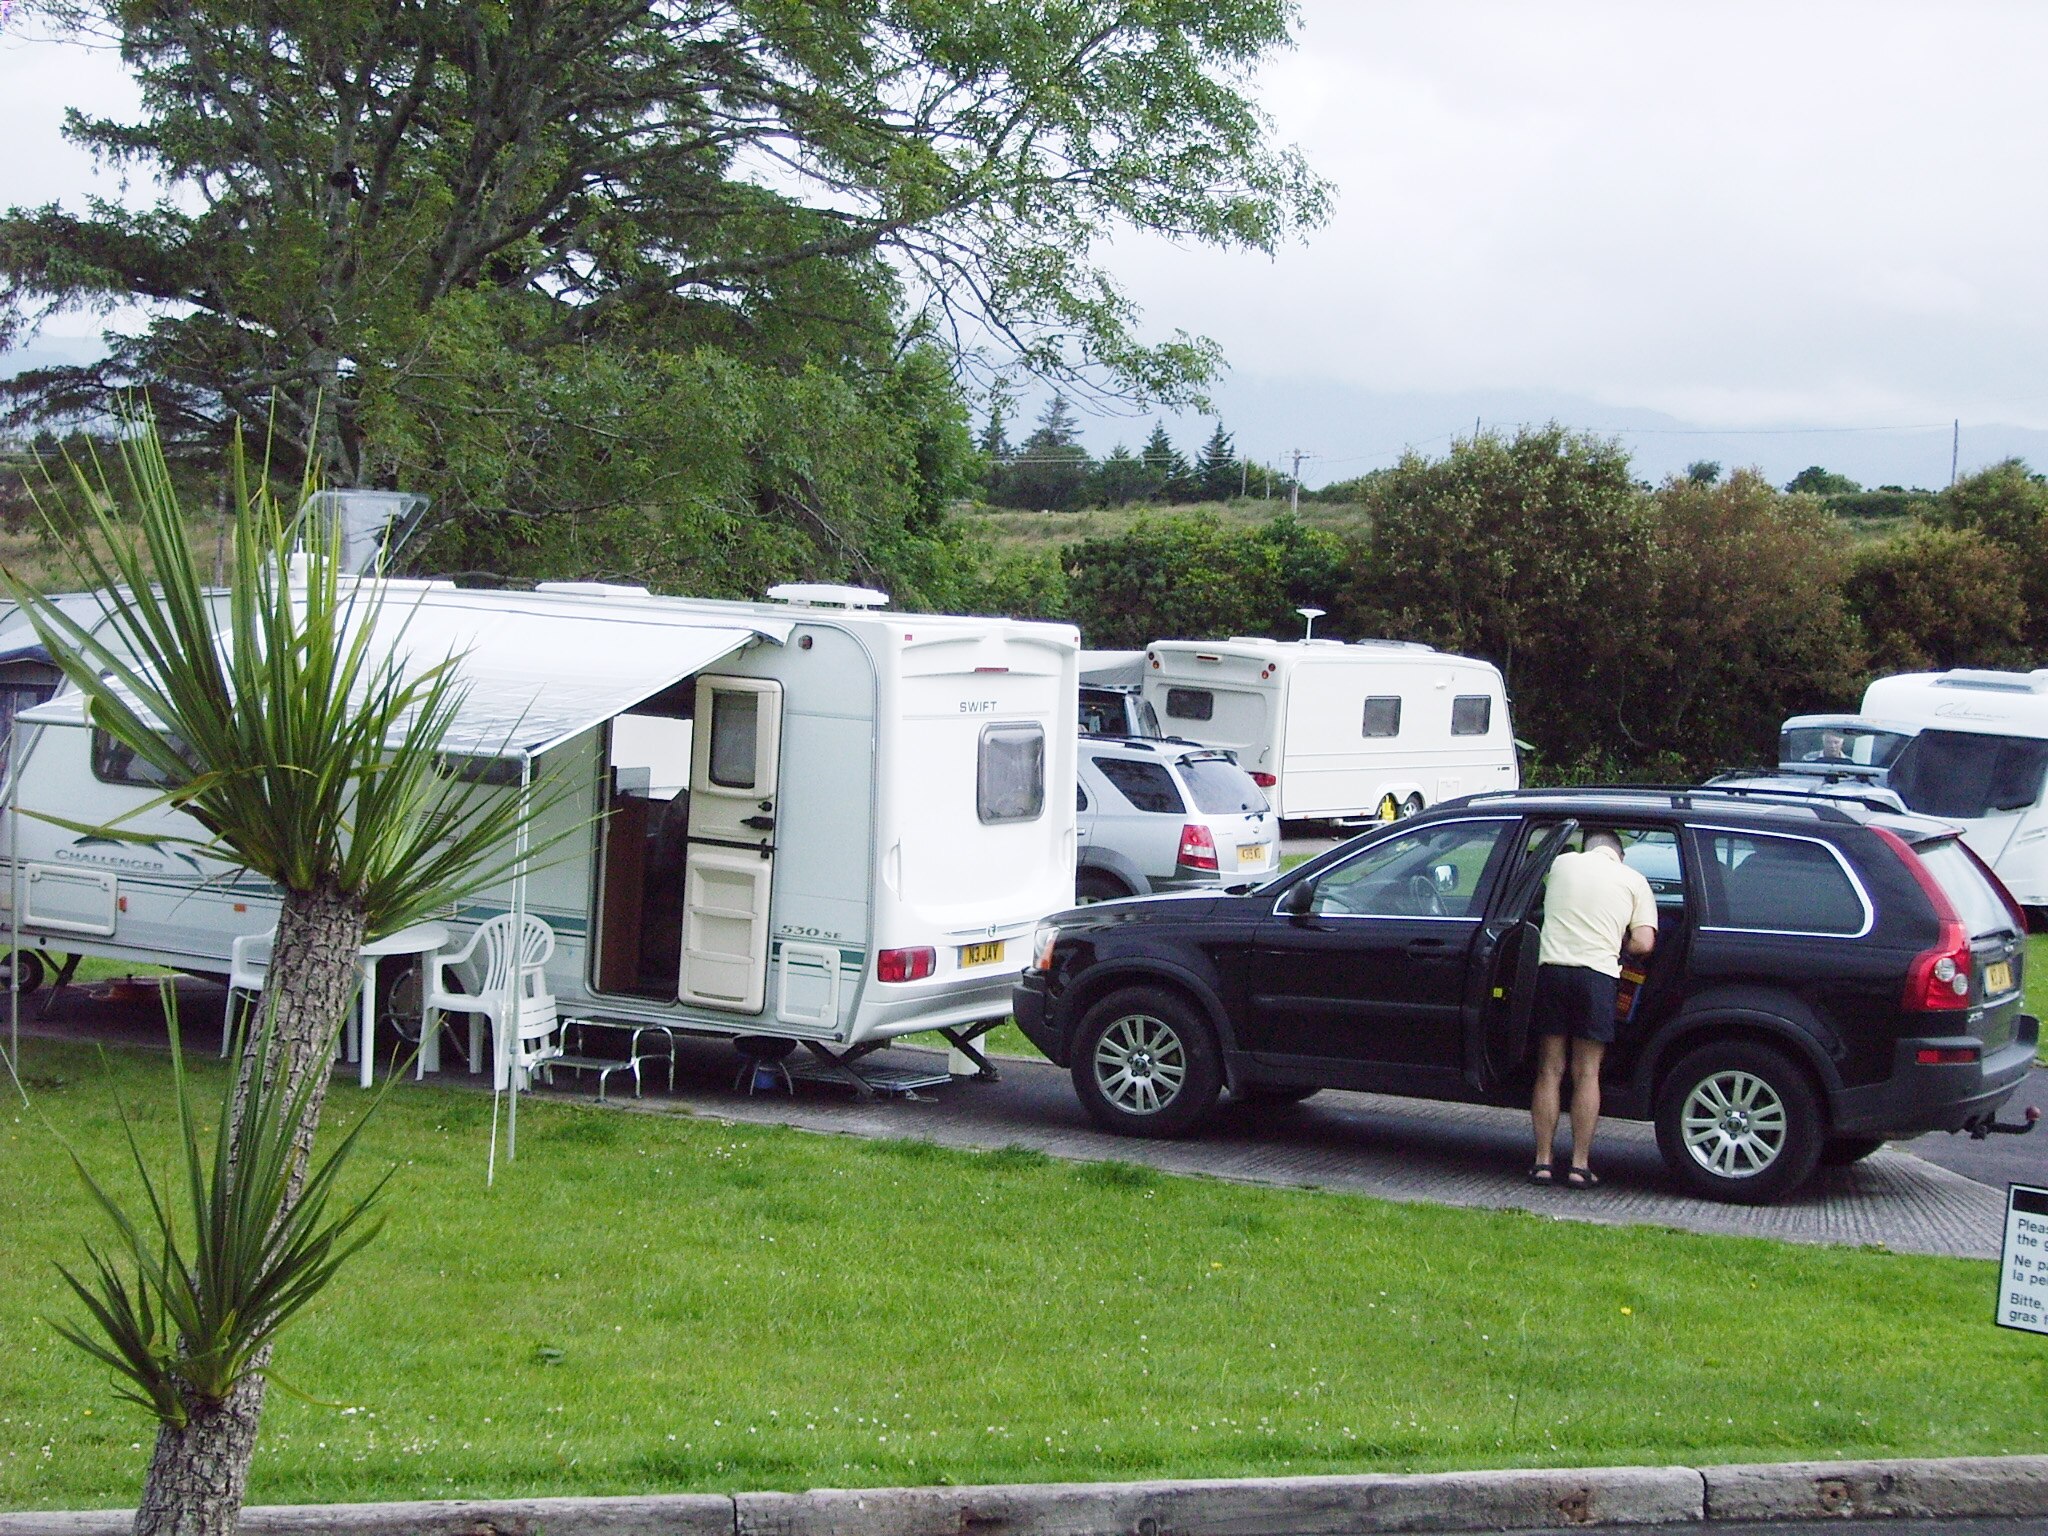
[(1427, 949)]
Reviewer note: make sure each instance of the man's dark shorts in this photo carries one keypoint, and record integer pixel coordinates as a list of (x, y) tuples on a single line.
[(1574, 1001)]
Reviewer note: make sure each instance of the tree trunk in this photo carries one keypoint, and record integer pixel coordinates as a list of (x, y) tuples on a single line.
[(200, 1470)]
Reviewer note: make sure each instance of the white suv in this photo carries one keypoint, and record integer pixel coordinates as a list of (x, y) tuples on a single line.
[(1167, 816)]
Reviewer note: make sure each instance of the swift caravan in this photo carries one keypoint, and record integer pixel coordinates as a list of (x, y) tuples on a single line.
[(1375, 728), (1978, 757), (809, 818)]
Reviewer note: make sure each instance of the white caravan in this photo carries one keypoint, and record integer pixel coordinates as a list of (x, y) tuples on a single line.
[(1375, 728), (807, 819), (1978, 758)]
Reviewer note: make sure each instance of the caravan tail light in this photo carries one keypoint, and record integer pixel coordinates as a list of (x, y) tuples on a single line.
[(1197, 847), (1939, 977), (906, 964), (1264, 780)]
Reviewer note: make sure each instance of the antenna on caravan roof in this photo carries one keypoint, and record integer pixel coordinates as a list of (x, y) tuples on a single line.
[(823, 594), (1311, 614), (374, 524)]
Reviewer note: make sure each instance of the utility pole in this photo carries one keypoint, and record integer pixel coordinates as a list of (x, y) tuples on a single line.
[(1955, 450), (1244, 469), (1294, 481)]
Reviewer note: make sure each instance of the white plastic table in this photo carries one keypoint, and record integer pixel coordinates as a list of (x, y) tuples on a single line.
[(420, 939)]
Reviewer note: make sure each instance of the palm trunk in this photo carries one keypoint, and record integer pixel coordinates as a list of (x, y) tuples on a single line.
[(200, 1470)]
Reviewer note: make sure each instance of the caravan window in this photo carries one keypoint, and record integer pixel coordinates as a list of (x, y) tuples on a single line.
[(1382, 717), (1010, 775), (1963, 775), (735, 732), (1472, 714), (1190, 704), (114, 762)]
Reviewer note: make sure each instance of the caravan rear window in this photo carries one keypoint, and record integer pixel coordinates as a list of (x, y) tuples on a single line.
[(1472, 714), (1190, 704), (1010, 774), (1382, 717)]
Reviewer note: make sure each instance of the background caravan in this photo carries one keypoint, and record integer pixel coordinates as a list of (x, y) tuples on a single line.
[(808, 818), (1376, 728), (1978, 757)]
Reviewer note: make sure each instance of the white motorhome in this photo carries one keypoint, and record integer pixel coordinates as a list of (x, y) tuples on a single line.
[(1978, 757), (1335, 731), (808, 818)]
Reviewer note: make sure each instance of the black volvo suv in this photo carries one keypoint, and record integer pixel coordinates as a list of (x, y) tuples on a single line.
[(1827, 976)]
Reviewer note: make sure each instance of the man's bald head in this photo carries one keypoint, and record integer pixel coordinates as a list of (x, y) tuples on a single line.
[(1603, 839)]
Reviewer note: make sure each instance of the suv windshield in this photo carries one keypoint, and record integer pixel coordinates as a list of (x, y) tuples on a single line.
[(1220, 787), (1964, 775), (1980, 907)]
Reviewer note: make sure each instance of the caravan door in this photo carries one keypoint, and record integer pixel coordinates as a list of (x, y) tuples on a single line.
[(728, 869)]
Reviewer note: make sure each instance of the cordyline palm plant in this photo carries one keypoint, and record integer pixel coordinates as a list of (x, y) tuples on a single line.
[(290, 727)]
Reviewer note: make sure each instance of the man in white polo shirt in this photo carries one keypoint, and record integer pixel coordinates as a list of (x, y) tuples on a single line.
[(1594, 908)]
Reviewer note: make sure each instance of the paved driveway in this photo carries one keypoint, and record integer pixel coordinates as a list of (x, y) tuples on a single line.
[(1395, 1149)]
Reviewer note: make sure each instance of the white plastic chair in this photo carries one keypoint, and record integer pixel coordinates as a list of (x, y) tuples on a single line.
[(531, 1038), (248, 969)]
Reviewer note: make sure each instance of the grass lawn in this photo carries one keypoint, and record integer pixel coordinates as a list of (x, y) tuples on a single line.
[(649, 1303)]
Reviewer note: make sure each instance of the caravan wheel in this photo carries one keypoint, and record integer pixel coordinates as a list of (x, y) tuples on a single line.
[(26, 967), (1412, 806)]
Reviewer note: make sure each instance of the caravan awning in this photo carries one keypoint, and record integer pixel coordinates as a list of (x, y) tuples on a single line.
[(537, 670)]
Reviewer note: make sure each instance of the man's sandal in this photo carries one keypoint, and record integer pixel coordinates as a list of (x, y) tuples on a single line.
[(1581, 1178), (1541, 1173)]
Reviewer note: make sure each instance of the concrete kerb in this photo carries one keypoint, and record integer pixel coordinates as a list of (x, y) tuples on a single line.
[(1957, 1488)]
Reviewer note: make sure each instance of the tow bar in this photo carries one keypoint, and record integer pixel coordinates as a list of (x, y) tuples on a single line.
[(2027, 1122)]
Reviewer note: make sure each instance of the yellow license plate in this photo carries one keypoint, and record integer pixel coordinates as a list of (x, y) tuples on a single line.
[(1997, 978), (980, 954), (1251, 853)]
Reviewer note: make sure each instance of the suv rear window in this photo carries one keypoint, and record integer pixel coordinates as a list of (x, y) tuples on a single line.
[(1963, 775), (1977, 904), (1220, 787), (1780, 885), (1148, 786)]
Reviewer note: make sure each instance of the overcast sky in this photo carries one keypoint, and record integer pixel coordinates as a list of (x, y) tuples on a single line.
[(1761, 215)]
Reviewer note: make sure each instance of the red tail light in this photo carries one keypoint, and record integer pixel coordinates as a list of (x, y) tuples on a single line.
[(1947, 1056), (1197, 847), (906, 964), (1264, 780), (1939, 977)]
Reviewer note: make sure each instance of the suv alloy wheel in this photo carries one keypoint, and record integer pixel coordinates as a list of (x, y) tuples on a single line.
[(1144, 1064), (1739, 1121)]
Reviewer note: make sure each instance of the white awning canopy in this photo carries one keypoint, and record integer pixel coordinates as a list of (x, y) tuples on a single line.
[(537, 670)]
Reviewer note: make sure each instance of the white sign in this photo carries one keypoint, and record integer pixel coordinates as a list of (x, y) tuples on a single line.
[(2023, 1270)]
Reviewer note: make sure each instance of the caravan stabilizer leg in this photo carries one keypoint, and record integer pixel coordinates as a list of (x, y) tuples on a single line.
[(962, 1040), (837, 1066), (65, 972)]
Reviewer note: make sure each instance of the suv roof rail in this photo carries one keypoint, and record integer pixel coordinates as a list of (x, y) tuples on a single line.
[(1684, 796)]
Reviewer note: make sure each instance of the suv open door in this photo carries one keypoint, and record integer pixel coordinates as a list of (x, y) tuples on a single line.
[(1498, 1010)]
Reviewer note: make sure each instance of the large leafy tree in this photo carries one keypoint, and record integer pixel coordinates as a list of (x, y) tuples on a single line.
[(2008, 505), (1532, 551), (1749, 623), (1192, 576), (464, 240), (1935, 598)]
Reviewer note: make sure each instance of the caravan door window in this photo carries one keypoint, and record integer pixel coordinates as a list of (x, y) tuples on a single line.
[(1472, 714), (735, 736), (1010, 772), (1963, 775), (1382, 717), (115, 762), (1190, 704)]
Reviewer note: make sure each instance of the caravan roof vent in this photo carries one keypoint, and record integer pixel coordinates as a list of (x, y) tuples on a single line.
[(1995, 682), (824, 594), (1397, 645), (592, 588)]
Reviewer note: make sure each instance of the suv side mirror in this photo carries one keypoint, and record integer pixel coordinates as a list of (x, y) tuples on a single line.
[(1300, 899)]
